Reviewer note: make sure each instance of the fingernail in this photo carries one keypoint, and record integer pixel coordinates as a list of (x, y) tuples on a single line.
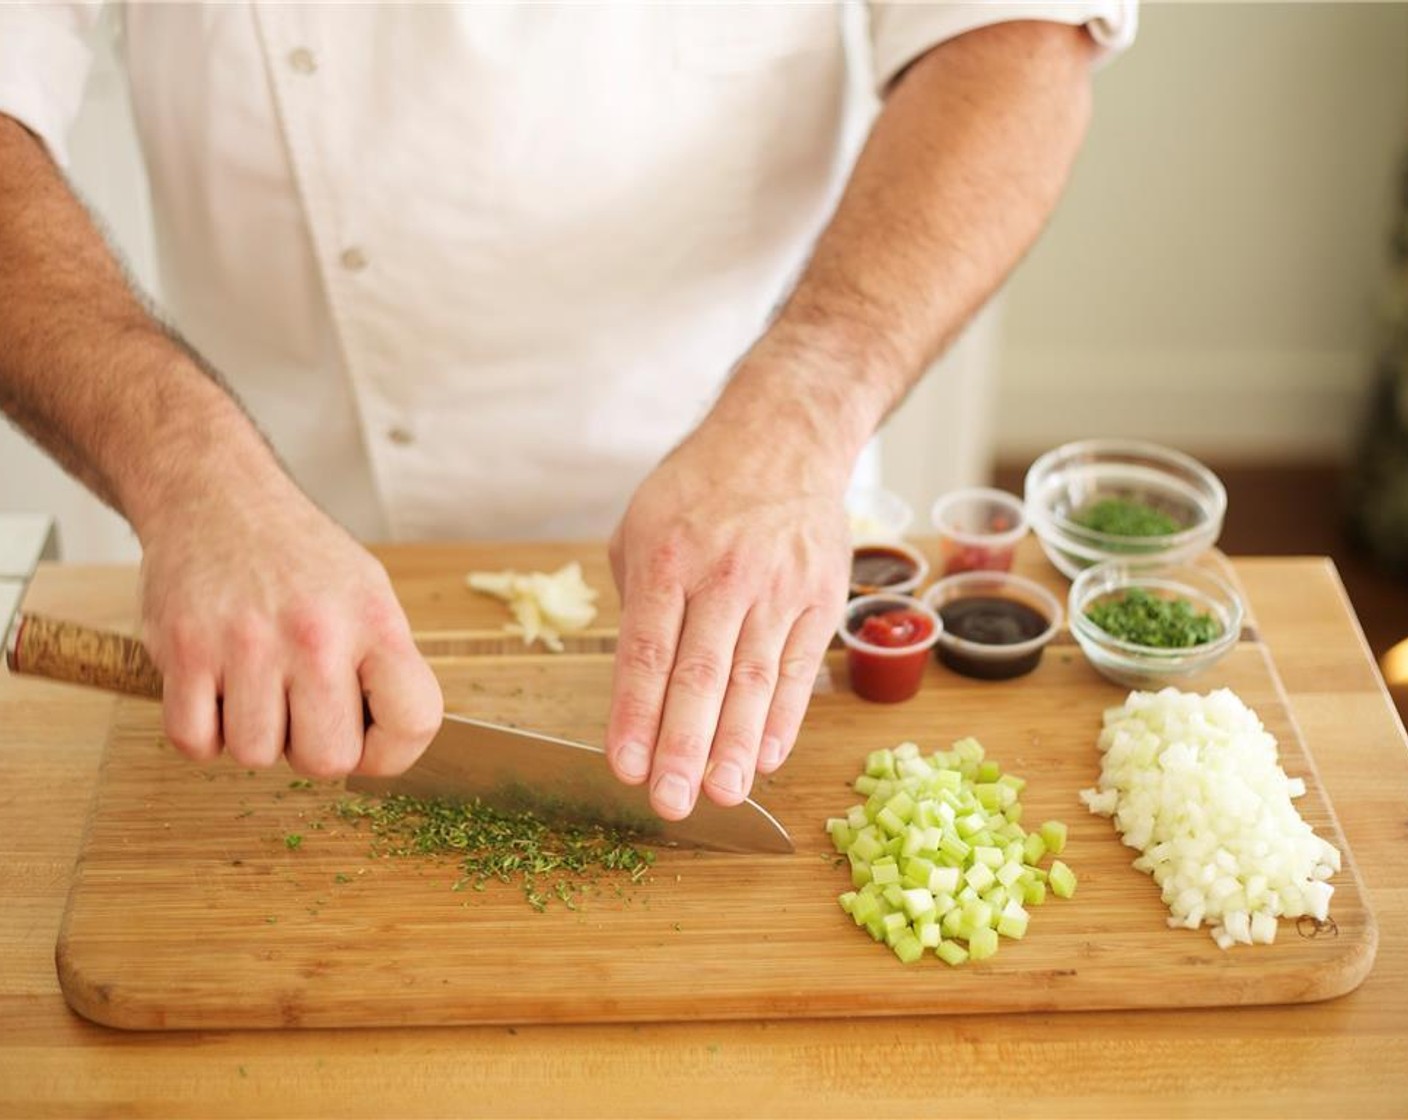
[(770, 754), (727, 776), (672, 792), (634, 761)]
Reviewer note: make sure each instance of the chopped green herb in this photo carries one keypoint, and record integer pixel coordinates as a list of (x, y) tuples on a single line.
[(1121, 517), (342, 877), (547, 860), (293, 840), (1148, 620), (301, 783)]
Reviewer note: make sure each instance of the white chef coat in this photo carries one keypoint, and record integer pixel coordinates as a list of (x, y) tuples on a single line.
[(475, 269)]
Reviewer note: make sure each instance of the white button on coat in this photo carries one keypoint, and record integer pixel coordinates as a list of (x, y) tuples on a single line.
[(543, 233), (302, 60)]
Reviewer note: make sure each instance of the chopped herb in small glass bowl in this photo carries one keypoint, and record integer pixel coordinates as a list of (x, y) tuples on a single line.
[(1144, 627), (1110, 499), (1125, 517), (1153, 620)]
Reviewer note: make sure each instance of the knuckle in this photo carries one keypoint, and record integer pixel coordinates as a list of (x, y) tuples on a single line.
[(752, 675), (385, 763), (700, 674), (685, 746), (736, 743), (797, 669), (430, 718), (324, 763), (312, 632), (181, 643), (665, 562), (636, 713), (325, 739), (647, 654), (252, 752), (185, 739), (729, 569), (246, 636), (385, 618), (418, 728)]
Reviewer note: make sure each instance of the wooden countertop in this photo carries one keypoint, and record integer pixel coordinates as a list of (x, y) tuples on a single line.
[(1345, 1057)]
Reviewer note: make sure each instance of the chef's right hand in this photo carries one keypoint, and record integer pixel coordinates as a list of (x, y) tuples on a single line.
[(269, 625)]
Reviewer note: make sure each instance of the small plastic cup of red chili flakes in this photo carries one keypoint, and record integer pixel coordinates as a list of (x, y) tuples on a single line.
[(979, 529), (887, 639)]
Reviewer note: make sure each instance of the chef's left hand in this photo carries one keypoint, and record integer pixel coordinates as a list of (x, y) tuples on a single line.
[(732, 562)]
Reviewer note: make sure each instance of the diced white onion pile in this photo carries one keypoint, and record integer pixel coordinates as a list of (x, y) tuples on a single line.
[(1193, 782), (544, 606)]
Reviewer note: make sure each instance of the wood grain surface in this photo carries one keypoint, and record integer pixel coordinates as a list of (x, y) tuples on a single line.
[(189, 910), (66, 651), (1343, 1057)]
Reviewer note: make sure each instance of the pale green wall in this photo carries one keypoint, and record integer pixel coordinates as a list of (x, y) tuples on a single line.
[(1210, 278)]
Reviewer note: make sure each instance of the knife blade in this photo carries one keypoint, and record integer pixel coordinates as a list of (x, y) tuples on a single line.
[(504, 767), (511, 769)]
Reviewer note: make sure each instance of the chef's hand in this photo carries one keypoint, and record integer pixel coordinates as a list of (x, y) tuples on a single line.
[(270, 624), (732, 564)]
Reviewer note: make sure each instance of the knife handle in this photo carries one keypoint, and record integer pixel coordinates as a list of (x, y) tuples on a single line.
[(65, 651)]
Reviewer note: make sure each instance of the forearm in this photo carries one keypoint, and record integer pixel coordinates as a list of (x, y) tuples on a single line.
[(962, 169), (89, 374)]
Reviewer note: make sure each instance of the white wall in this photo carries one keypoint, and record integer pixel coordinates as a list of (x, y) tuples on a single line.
[(1211, 277), (107, 171)]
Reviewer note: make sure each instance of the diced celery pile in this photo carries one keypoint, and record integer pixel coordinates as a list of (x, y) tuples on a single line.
[(939, 859)]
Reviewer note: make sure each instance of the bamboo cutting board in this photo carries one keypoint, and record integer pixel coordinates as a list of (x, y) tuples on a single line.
[(189, 910)]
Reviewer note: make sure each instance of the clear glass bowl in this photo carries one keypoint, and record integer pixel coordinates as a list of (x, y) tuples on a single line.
[(1072, 477), (1150, 667)]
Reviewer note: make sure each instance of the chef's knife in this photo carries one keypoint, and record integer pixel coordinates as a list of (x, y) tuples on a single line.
[(511, 769), (504, 767)]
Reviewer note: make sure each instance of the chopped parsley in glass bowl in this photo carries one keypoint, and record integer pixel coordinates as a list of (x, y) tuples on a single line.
[(1145, 627), (1107, 499)]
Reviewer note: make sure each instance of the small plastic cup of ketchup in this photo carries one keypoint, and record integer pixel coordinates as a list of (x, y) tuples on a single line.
[(887, 639), (979, 529)]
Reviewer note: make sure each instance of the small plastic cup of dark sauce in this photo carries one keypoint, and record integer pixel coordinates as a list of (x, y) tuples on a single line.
[(893, 566), (995, 624)]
